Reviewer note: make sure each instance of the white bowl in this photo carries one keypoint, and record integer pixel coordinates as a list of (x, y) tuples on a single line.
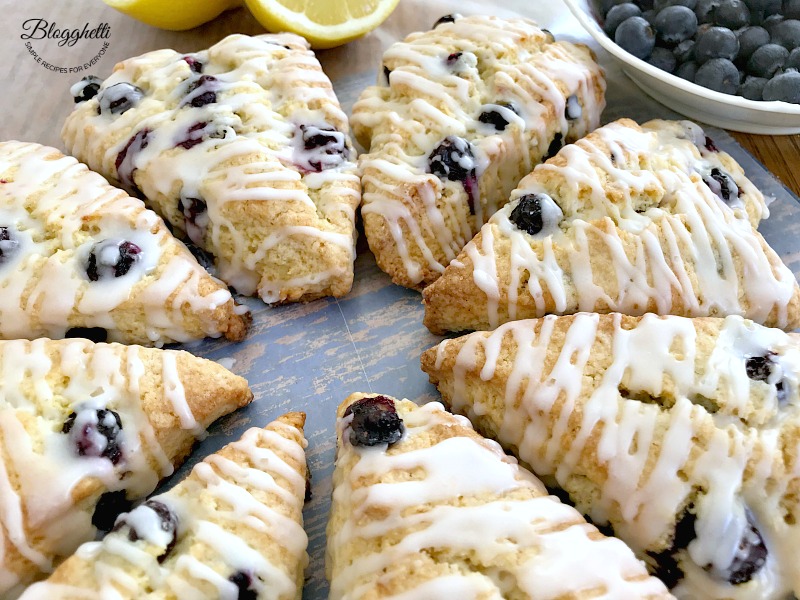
[(692, 100)]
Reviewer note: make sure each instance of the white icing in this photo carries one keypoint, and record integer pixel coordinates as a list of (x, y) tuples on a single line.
[(518, 538), (642, 462)]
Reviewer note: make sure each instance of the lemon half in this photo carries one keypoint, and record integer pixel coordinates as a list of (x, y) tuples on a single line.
[(324, 23), (175, 15)]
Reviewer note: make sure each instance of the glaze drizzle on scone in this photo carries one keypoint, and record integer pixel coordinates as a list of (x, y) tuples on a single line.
[(86, 429), (629, 219), (439, 512), (78, 253), (242, 146), (231, 529), (681, 433)]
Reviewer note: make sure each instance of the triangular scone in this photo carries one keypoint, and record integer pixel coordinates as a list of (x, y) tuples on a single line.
[(87, 428), (77, 254), (682, 434), (424, 507), (629, 219), (243, 147), (233, 529), (462, 113)]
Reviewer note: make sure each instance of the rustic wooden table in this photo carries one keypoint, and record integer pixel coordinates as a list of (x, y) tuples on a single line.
[(779, 153)]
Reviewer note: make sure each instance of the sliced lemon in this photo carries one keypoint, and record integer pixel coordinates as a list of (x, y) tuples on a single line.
[(324, 23), (175, 15)]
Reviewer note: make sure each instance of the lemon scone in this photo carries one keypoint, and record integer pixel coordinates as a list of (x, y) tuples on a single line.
[(682, 434), (424, 507), (629, 219), (233, 529), (81, 258), (462, 113), (85, 429), (244, 148)]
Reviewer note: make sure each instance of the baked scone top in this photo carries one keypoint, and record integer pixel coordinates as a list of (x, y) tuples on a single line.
[(244, 147), (682, 433), (423, 507), (629, 219), (461, 114), (231, 529), (76, 252), (86, 427)]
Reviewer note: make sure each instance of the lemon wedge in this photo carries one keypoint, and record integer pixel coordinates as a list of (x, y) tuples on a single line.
[(176, 15), (324, 23)]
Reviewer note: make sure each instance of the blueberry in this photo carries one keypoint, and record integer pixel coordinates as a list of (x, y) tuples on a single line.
[(705, 9), (675, 24), (555, 145), (732, 14), (119, 98), (722, 185), (607, 5), (750, 557), (662, 58), (386, 73), (168, 525), (201, 91), (533, 213), (453, 58), (787, 34), (666, 565), (649, 16), (618, 14), (453, 159), (710, 146), (572, 108), (447, 19), (684, 51), (767, 60), (94, 334), (771, 22), (752, 88), (195, 65), (111, 258), (765, 7), (660, 5), (322, 147), (791, 9), (750, 39), (375, 421), (127, 156), (716, 42), (635, 35), (245, 584), (497, 115), (198, 133), (195, 211), (109, 507), (784, 87), (9, 244), (687, 70), (718, 74), (759, 368), (86, 88), (793, 62), (95, 433)]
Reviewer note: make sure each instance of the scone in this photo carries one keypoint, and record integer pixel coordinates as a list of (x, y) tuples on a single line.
[(233, 529), (86, 429), (424, 507), (244, 148), (462, 113), (682, 434), (79, 258), (629, 219)]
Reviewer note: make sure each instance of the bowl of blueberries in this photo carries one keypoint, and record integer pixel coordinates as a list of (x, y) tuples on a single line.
[(730, 63)]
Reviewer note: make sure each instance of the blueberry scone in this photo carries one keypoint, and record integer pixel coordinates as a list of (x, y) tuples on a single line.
[(682, 434), (85, 429), (462, 113), (243, 148), (81, 258), (424, 507), (233, 529), (629, 219)]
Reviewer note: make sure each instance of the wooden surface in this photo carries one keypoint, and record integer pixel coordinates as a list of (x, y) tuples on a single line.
[(779, 153)]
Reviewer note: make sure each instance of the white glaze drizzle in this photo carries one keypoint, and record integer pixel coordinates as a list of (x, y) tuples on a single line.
[(644, 448), (44, 462), (250, 153), (59, 209), (427, 101), (671, 241), (220, 495), (441, 509)]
